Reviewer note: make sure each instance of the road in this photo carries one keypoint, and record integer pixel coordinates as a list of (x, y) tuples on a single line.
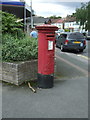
[(78, 60), (69, 64), (85, 52)]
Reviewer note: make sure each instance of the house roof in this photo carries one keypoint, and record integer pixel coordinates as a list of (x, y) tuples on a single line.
[(62, 20), (57, 20), (69, 19), (37, 19)]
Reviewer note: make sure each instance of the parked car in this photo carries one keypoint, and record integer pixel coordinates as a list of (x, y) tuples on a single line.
[(88, 36), (71, 41), (59, 31)]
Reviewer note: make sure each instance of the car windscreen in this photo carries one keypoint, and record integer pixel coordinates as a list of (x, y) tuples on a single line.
[(76, 36)]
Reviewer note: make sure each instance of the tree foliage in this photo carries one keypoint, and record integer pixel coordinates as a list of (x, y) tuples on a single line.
[(10, 24), (88, 20), (82, 15), (55, 17)]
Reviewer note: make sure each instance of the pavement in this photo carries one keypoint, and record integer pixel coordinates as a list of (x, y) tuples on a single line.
[(67, 99)]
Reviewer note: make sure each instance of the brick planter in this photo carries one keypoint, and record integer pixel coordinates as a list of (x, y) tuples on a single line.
[(17, 73)]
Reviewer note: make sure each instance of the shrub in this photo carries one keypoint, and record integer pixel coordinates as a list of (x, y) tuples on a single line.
[(10, 24), (15, 45), (14, 49), (67, 30)]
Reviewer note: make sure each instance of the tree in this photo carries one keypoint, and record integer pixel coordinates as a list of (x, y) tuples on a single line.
[(55, 17), (73, 15), (82, 15), (88, 20)]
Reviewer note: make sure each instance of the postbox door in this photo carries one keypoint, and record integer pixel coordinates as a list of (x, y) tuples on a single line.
[(48, 67)]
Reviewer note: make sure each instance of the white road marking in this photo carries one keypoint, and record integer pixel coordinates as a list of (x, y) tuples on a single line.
[(84, 57)]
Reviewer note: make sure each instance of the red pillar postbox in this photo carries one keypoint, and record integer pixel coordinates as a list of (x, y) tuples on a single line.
[(46, 48)]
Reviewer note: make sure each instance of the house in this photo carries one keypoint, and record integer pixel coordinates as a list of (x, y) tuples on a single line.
[(71, 24), (68, 23), (58, 22)]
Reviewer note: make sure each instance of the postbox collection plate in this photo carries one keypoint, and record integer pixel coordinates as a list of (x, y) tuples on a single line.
[(50, 45)]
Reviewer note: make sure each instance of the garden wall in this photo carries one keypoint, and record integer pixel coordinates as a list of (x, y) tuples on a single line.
[(17, 73)]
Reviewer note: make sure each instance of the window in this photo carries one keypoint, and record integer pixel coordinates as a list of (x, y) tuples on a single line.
[(76, 36), (63, 35)]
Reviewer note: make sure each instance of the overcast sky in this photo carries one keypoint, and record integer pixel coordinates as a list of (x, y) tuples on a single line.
[(61, 8), (48, 8)]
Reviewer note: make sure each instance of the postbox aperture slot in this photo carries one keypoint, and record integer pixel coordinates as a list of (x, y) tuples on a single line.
[(50, 35)]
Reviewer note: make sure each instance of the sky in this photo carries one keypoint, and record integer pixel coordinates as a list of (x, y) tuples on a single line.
[(47, 8)]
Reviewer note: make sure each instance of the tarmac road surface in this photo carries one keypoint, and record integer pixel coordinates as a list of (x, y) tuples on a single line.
[(71, 65)]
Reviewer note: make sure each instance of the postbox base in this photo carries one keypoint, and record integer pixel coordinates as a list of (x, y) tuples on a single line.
[(45, 81)]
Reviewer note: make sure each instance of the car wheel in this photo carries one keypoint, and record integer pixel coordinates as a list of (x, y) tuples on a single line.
[(81, 50), (62, 49)]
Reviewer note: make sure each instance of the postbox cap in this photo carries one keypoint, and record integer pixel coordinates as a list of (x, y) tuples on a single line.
[(47, 27)]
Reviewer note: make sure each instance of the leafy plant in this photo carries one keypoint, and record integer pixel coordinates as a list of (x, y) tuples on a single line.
[(14, 49), (16, 46), (66, 30), (10, 24)]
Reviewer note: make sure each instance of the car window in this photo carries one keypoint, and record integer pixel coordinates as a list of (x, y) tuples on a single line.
[(63, 35), (88, 33), (76, 36)]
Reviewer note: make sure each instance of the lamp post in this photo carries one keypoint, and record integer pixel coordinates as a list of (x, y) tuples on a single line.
[(25, 17), (24, 14), (31, 16)]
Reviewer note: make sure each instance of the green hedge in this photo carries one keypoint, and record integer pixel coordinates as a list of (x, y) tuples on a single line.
[(18, 49)]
